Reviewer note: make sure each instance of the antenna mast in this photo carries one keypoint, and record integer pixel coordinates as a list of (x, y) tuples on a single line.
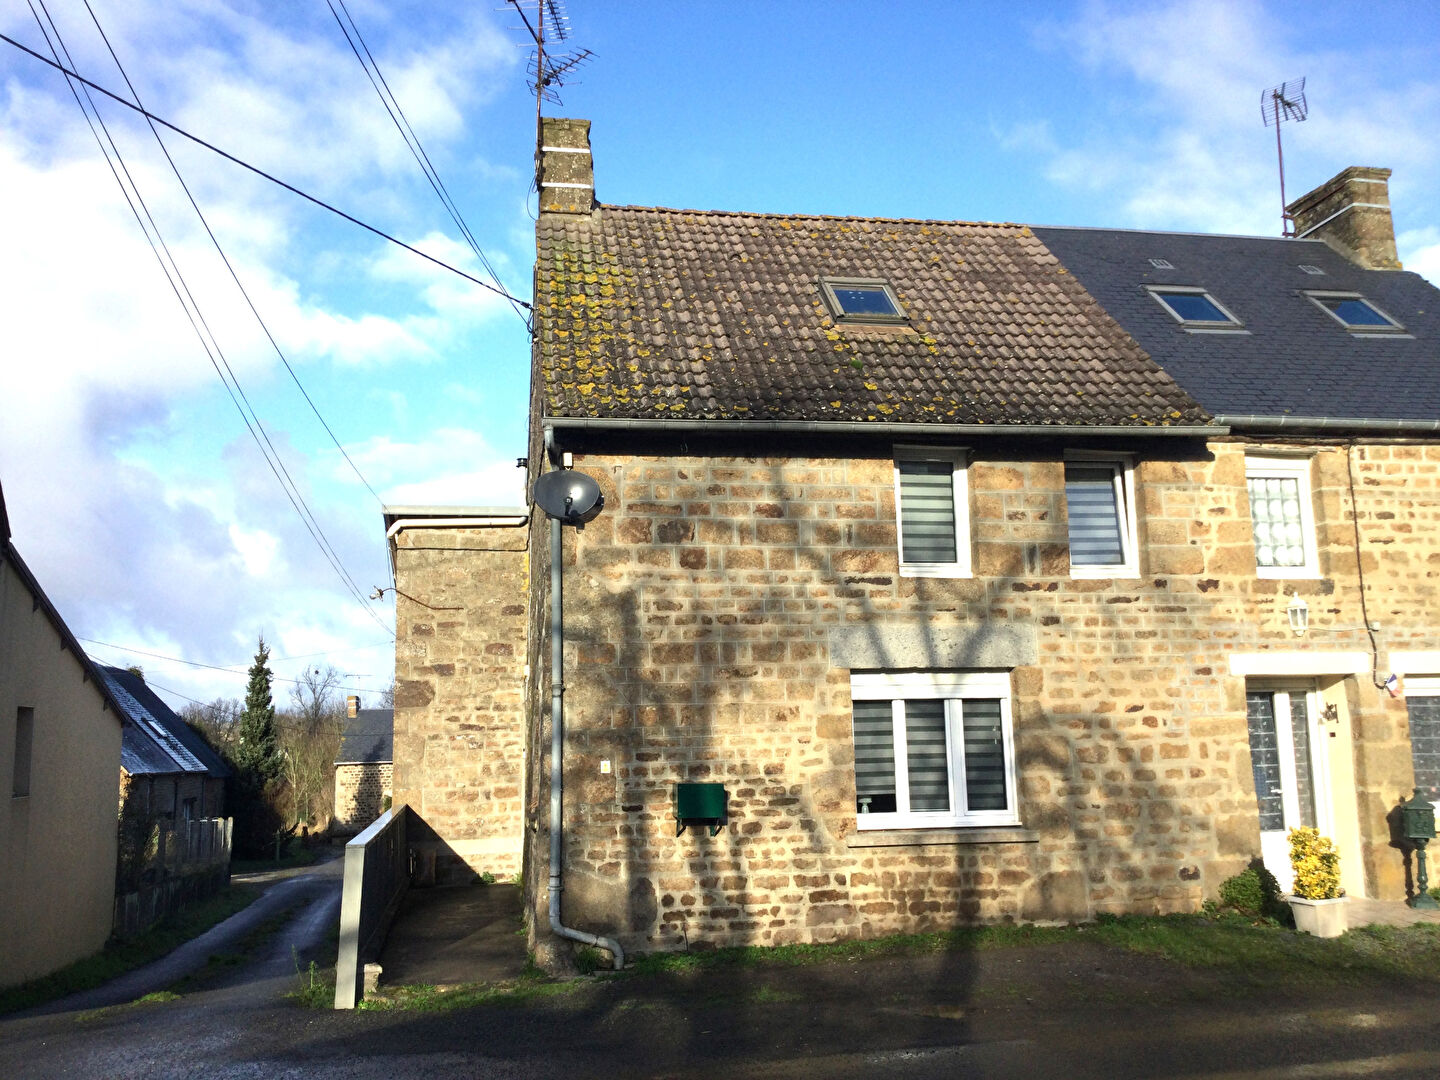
[(548, 72), (1277, 105)]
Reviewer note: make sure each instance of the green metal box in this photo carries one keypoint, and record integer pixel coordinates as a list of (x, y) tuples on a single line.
[(698, 803)]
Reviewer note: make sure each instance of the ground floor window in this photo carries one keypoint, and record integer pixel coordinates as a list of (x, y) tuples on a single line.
[(933, 749), (1422, 702)]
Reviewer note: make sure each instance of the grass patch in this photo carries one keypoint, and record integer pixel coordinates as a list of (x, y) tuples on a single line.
[(118, 957), (298, 856), (316, 989), (425, 998)]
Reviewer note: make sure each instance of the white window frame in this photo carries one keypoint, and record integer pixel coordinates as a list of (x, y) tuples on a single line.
[(953, 688), (958, 459), (1123, 466), (1318, 298), (1230, 322), (1261, 467)]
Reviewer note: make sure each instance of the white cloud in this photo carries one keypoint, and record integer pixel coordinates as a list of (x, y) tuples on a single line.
[(1420, 251), (449, 467), (1183, 144)]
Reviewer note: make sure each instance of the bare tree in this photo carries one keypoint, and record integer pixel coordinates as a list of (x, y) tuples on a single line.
[(218, 723), (309, 740)]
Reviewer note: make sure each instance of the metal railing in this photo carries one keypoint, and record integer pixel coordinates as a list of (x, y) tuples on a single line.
[(377, 874)]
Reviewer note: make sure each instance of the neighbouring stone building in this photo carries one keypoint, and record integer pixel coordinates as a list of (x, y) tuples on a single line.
[(364, 766), (167, 770), (988, 569), (59, 753)]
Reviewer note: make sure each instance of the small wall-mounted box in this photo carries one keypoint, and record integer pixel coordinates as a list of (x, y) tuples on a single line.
[(699, 803)]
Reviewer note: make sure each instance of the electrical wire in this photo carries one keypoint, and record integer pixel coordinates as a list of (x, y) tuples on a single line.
[(412, 141), (216, 667), (318, 532), (72, 74), (292, 492), (223, 258)]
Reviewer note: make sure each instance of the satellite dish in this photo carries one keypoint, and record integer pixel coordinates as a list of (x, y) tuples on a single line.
[(571, 496)]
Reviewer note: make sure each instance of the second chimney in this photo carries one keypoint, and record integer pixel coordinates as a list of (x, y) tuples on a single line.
[(1351, 213), (352, 705), (563, 170)]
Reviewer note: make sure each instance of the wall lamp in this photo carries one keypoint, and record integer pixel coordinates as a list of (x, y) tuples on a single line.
[(1299, 614)]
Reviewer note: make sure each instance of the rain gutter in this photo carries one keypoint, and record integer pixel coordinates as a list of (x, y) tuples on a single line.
[(853, 427), (1254, 422)]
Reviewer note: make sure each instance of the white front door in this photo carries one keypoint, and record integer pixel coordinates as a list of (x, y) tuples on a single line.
[(1291, 782)]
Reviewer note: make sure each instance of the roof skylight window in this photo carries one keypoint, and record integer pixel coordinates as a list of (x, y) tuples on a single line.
[(1311, 269), (861, 300), (1355, 313), (1194, 309), (1162, 264)]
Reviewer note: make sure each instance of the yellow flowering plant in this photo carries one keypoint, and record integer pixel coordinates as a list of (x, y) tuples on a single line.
[(1316, 864)]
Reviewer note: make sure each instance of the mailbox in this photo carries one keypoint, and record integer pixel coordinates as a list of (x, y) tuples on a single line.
[(1419, 817), (699, 803)]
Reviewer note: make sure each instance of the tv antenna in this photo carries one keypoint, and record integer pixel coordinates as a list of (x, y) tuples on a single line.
[(548, 72), (1277, 105)]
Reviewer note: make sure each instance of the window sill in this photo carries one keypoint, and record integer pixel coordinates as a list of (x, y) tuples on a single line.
[(934, 570), (949, 837), (1287, 573)]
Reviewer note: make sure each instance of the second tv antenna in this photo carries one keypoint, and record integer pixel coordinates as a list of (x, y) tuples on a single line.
[(1277, 105)]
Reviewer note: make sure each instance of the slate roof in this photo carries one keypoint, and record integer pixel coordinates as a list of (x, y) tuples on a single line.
[(1296, 361), (368, 738), (155, 740), (656, 314)]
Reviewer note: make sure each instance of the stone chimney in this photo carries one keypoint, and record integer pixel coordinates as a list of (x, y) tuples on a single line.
[(1351, 213), (352, 705), (564, 173)]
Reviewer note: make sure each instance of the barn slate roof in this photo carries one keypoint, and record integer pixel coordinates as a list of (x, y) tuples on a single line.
[(368, 738), (1293, 360)]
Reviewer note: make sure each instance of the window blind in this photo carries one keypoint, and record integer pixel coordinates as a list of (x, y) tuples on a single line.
[(928, 764), (1095, 536), (984, 755), (927, 511)]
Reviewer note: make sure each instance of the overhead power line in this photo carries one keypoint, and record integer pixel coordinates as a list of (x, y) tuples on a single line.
[(69, 71), (397, 115), (194, 313), (217, 667)]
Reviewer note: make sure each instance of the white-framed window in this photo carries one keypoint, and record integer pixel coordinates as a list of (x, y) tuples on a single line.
[(933, 749), (1194, 308), (1100, 506), (932, 511), (1281, 515)]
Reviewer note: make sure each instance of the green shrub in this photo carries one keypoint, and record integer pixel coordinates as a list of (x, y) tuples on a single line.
[(1253, 891)]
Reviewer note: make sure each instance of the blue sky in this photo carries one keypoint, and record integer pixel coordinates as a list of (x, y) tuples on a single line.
[(135, 491)]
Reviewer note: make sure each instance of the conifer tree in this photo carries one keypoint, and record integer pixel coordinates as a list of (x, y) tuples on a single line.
[(258, 752)]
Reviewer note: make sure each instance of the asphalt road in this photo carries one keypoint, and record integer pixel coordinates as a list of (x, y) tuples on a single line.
[(1041, 1012)]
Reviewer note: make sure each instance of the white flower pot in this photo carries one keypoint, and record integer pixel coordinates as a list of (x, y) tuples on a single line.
[(1323, 918)]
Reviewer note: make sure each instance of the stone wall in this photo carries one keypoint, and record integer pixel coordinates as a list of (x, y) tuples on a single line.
[(713, 609), (459, 695), (360, 790)]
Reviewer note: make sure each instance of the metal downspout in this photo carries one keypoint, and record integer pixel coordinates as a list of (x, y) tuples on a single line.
[(557, 749)]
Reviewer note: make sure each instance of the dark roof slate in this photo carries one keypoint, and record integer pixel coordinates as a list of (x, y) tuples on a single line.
[(1296, 360), (368, 738), (155, 739), (658, 314)]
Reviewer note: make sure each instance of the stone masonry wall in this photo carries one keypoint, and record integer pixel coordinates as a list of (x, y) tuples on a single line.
[(459, 695), (703, 607), (360, 791)]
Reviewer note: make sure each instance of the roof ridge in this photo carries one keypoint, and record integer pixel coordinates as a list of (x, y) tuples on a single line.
[(817, 217)]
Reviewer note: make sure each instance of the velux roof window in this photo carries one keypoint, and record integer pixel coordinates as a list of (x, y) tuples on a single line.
[(1355, 313), (861, 300), (1194, 308)]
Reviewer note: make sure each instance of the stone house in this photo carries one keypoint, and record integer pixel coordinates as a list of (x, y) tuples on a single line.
[(364, 766), (970, 577), (60, 733)]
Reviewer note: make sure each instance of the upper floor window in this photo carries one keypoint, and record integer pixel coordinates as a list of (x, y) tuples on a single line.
[(861, 300), (1100, 505), (933, 749), (1355, 313), (1194, 309), (1282, 518), (932, 512)]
